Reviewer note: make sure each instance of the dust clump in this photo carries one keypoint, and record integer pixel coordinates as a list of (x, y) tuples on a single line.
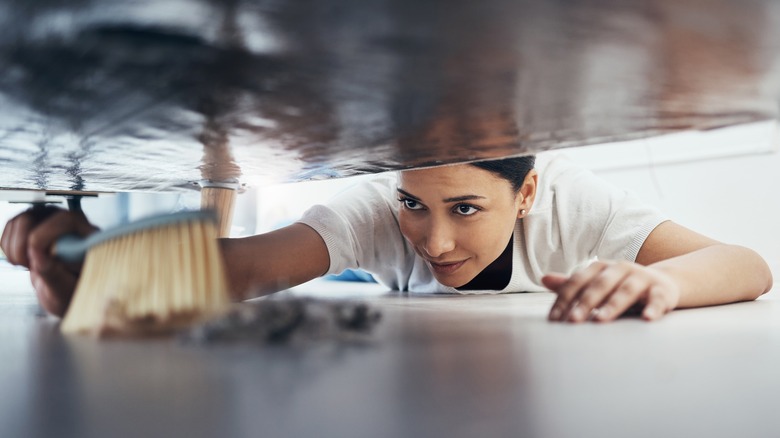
[(288, 320)]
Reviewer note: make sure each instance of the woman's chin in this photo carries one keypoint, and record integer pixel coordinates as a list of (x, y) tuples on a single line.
[(452, 282), (452, 275)]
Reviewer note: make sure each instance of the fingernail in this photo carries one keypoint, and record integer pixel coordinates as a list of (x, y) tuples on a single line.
[(650, 313), (576, 314), (555, 313), (603, 313)]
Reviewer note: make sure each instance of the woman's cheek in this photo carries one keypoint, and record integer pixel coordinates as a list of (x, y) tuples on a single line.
[(405, 227)]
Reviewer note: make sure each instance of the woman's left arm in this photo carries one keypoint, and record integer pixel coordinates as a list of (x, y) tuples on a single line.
[(675, 268)]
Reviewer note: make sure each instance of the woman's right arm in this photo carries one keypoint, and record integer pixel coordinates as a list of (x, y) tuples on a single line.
[(255, 265), (266, 263)]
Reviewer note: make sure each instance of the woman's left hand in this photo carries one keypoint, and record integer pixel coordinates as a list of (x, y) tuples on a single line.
[(605, 290)]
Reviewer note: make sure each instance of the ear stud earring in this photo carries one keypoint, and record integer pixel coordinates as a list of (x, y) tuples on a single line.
[(522, 212)]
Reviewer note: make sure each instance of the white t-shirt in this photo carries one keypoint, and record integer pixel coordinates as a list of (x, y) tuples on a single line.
[(576, 218)]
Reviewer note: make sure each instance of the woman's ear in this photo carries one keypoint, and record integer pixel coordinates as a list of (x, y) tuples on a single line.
[(527, 193)]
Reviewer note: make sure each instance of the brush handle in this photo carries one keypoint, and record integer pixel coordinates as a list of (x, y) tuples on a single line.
[(72, 248)]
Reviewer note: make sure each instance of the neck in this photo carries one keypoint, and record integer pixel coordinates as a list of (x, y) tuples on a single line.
[(495, 276)]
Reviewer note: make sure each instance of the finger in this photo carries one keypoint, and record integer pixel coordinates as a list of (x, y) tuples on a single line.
[(568, 293), (554, 281), (54, 288), (54, 280), (657, 304), (46, 234), (15, 240), (16, 234), (596, 292), (5, 238), (626, 294), (5, 241), (15, 237)]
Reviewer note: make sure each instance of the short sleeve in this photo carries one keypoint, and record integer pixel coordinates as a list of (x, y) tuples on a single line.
[(579, 217), (360, 229)]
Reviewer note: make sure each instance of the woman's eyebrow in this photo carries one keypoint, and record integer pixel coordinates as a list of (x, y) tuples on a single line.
[(407, 194), (464, 198), (453, 199)]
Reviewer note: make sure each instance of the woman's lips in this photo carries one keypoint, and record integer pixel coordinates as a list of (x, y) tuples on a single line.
[(446, 268)]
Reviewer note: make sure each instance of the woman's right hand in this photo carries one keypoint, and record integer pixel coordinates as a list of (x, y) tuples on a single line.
[(28, 240)]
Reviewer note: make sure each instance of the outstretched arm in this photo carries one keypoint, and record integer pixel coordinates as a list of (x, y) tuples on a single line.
[(255, 265), (708, 272), (265, 263), (675, 268)]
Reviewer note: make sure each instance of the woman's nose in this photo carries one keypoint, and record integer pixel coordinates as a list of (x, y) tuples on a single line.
[(439, 240)]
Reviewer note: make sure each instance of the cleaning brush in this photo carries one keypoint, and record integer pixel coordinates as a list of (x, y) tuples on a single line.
[(153, 276)]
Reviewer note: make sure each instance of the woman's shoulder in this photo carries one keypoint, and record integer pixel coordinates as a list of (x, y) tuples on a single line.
[(559, 176), (368, 188), (553, 165)]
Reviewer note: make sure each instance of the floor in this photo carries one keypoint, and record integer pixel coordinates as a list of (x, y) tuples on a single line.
[(434, 366)]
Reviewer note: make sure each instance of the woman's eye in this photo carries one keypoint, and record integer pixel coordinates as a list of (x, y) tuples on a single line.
[(411, 204), (465, 209)]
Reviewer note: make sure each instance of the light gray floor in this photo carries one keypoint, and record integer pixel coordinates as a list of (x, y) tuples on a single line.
[(436, 366)]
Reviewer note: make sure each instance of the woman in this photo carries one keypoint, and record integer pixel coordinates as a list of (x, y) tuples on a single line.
[(496, 226)]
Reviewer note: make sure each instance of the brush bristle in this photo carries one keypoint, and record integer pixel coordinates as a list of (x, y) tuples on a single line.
[(150, 282)]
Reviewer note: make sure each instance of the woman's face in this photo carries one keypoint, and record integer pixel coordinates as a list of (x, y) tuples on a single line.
[(458, 218)]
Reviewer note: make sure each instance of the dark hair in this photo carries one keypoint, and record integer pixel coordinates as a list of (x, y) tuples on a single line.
[(512, 169)]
